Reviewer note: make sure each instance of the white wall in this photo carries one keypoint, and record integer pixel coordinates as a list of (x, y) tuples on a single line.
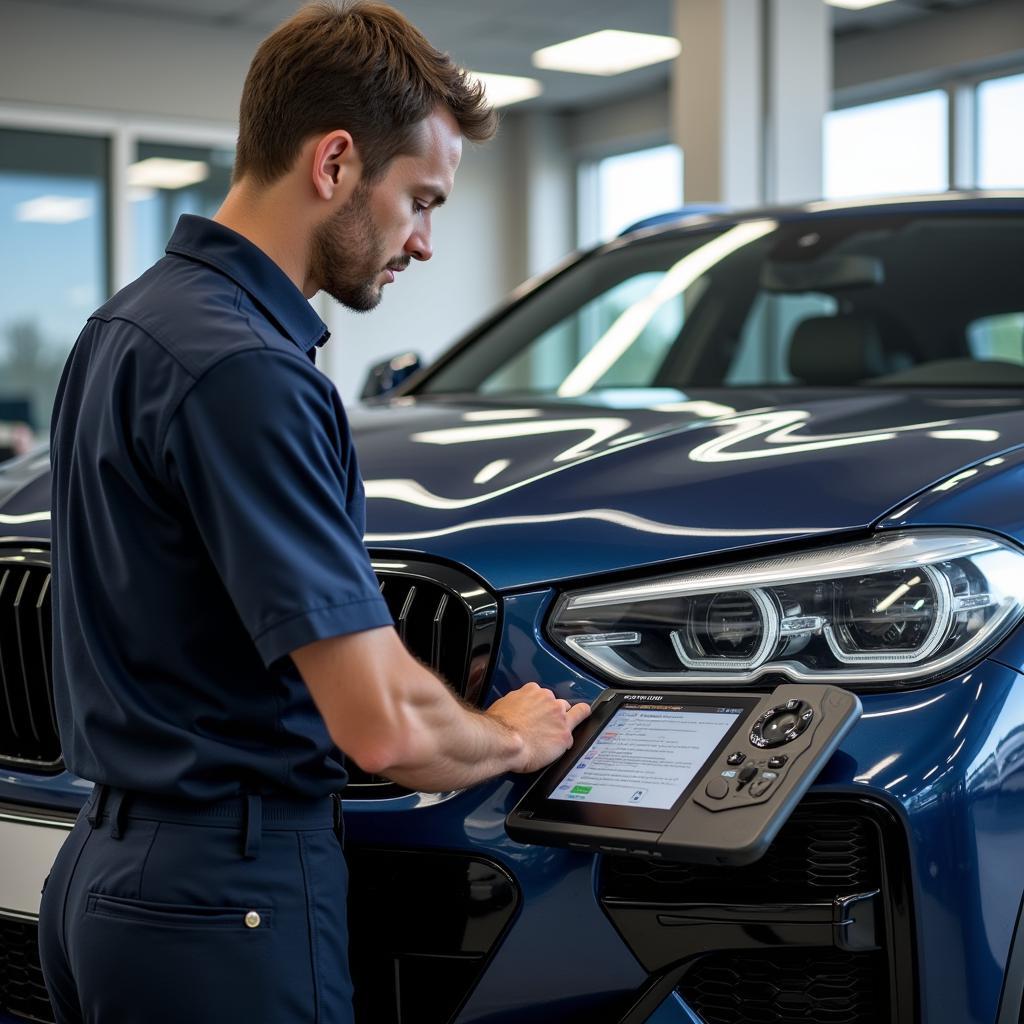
[(120, 62), (163, 71)]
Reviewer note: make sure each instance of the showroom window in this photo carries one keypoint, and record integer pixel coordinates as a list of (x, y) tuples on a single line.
[(620, 190), (166, 181), (885, 148), (54, 250), (1000, 134), (86, 203)]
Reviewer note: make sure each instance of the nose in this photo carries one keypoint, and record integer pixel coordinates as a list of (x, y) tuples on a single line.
[(418, 244)]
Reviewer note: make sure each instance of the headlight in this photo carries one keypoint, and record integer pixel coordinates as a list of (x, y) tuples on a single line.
[(898, 607)]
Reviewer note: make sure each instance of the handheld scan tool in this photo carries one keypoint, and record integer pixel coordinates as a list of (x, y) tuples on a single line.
[(704, 777)]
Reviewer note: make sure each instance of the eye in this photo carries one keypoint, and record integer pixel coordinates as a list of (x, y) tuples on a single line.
[(418, 207)]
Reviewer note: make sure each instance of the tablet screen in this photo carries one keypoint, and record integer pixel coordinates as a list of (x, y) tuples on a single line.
[(646, 757)]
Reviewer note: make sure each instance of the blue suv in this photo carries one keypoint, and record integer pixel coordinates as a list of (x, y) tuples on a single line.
[(782, 446)]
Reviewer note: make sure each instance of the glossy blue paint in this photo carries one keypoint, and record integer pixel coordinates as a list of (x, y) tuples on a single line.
[(586, 489)]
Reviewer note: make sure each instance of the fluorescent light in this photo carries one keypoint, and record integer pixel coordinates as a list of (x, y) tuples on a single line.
[(160, 172), (503, 90), (607, 53), (856, 5), (53, 209)]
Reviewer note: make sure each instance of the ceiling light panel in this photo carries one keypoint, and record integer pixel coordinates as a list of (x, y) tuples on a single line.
[(856, 5), (53, 210), (503, 90), (609, 52), (161, 172)]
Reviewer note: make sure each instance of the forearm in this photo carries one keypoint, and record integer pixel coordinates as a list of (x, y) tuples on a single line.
[(395, 718), (449, 745)]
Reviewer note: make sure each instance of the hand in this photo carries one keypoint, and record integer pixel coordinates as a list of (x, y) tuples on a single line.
[(543, 721)]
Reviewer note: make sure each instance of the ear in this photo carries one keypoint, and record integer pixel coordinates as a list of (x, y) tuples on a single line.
[(336, 166)]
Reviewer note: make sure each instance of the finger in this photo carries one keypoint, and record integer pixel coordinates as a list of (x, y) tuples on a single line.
[(563, 705), (577, 713)]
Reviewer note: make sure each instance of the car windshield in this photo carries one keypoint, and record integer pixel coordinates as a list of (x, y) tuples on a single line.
[(879, 300)]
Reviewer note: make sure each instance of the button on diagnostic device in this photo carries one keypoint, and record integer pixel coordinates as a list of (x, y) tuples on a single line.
[(781, 724), (738, 758), (717, 789)]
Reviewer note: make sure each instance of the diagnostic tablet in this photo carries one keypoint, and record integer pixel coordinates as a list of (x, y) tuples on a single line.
[(687, 776)]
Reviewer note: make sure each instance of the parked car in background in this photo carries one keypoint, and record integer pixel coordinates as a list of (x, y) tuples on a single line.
[(802, 430)]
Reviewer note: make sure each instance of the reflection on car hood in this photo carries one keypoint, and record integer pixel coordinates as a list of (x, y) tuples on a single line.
[(530, 493)]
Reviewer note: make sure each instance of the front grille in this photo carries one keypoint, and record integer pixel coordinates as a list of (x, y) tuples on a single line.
[(823, 987), (444, 618), (741, 946), (28, 724), (21, 979), (817, 853)]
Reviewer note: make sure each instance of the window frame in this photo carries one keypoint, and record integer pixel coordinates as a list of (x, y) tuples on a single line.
[(962, 89), (122, 135)]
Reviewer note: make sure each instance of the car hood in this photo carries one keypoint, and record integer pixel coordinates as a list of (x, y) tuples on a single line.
[(526, 494)]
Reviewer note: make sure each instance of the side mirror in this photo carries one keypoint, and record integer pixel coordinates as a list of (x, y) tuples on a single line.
[(386, 376)]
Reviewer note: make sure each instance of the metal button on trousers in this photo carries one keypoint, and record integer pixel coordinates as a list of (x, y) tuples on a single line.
[(163, 912)]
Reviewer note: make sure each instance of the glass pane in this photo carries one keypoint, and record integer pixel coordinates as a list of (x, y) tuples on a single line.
[(53, 251), (998, 337), (545, 365), (1001, 133), (862, 299), (885, 148), (763, 353), (166, 181), (637, 185)]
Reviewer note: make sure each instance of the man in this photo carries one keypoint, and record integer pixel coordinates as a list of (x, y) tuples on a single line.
[(219, 629)]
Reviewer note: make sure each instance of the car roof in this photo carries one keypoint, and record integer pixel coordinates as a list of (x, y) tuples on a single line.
[(707, 215)]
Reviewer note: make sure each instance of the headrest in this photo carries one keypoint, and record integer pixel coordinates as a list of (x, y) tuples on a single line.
[(836, 350)]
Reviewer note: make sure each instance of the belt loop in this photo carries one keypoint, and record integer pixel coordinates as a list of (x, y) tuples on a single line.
[(99, 799), (339, 819), (253, 828), (116, 815)]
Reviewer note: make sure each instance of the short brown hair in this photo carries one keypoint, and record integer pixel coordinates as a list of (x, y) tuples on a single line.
[(360, 66)]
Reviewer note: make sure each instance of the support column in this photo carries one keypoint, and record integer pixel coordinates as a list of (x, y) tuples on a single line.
[(749, 91), (541, 191)]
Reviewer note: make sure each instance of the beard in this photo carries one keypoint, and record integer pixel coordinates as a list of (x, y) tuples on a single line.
[(348, 254)]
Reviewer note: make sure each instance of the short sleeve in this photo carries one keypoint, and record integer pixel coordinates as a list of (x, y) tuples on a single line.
[(259, 452)]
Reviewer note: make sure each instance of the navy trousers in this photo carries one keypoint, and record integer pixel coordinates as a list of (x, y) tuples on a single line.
[(159, 912)]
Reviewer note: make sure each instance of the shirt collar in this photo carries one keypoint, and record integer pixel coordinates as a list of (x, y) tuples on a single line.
[(199, 238)]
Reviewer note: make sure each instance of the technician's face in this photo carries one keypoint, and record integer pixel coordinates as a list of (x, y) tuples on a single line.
[(385, 225)]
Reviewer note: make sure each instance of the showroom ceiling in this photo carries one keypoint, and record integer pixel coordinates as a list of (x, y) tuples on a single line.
[(499, 36)]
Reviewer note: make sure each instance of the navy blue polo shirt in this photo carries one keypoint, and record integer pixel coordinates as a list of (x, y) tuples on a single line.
[(207, 521)]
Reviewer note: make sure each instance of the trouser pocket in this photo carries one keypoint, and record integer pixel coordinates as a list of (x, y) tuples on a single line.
[(164, 963), (174, 915)]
